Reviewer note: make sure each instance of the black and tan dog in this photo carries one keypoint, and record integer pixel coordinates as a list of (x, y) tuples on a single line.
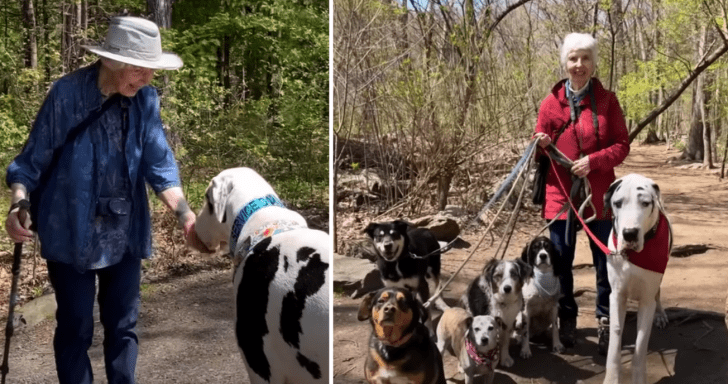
[(400, 349)]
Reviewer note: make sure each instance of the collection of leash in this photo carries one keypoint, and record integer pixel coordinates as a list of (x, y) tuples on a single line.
[(556, 156)]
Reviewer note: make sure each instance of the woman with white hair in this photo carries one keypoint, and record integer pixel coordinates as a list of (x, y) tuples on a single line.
[(585, 122), (96, 143)]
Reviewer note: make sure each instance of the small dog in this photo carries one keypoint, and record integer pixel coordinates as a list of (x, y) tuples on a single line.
[(281, 278), (473, 340), (498, 292), (407, 257), (400, 348), (640, 243), (541, 294)]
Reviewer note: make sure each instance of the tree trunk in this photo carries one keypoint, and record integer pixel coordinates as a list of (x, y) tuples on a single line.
[(31, 41), (694, 149), (161, 11)]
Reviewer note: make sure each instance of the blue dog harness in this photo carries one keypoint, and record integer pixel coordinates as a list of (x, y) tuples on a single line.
[(247, 211)]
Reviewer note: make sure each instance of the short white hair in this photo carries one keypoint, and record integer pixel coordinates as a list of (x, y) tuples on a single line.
[(113, 64), (576, 41)]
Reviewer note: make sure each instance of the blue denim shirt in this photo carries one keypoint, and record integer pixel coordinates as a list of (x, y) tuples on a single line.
[(68, 207)]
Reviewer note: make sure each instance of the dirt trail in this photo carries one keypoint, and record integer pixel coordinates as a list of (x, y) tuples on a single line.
[(185, 332), (692, 349)]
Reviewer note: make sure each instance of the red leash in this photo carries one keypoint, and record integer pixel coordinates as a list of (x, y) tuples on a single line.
[(588, 231)]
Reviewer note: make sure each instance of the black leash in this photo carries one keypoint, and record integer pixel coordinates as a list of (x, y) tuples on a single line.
[(24, 206), (444, 249)]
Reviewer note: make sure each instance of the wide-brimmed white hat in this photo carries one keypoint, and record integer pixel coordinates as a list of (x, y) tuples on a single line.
[(135, 41)]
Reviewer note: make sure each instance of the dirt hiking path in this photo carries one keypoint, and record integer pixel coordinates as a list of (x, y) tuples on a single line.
[(185, 332), (692, 349)]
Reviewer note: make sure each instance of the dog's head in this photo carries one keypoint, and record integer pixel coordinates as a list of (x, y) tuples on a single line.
[(393, 313), (506, 277), (484, 331), (227, 193), (388, 238), (636, 205), (540, 254)]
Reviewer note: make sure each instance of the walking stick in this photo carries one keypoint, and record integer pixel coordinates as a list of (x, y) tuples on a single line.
[(24, 207)]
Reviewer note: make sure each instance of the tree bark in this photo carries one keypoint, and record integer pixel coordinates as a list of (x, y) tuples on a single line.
[(161, 11), (31, 40)]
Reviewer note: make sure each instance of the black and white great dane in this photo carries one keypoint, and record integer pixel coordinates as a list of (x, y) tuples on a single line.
[(640, 243), (281, 278)]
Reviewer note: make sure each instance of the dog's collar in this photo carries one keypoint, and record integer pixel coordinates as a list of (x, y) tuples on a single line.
[(489, 359), (398, 343), (247, 211)]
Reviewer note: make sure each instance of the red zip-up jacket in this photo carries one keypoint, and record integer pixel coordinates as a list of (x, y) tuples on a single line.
[(613, 144)]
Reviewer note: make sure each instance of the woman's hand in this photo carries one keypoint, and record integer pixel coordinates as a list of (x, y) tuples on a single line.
[(581, 167), (18, 231), (543, 139), (191, 238)]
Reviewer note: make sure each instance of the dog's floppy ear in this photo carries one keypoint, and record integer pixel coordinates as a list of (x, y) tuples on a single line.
[(524, 254), (524, 268), (608, 195), (369, 230), (501, 323), (658, 197), (401, 226), (217, 196), (365, 307), (489, 269)]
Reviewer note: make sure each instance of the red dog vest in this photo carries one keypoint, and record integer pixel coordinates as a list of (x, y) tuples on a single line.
[(656, 251)]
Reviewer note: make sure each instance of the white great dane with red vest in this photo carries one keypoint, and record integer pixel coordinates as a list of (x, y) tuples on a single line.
[(640, 243), (281, 278)]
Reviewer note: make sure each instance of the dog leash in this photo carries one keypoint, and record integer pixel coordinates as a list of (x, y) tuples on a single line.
[(444, 249), (588, 231), (24, 206)]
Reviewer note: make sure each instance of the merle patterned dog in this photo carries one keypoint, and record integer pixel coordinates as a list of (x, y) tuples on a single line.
[(407, 257), (498, 292), (281, 278)]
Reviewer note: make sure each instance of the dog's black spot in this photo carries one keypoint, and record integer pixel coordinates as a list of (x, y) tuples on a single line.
[(478, 301), (285, 264), (252, 302), (304, 253), (310, 366), (309, 280)]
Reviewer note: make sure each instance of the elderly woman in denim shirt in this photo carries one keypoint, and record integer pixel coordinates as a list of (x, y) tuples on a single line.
[(93, 217)]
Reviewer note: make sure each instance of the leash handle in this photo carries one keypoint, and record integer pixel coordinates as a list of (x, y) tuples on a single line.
[(588, 231)]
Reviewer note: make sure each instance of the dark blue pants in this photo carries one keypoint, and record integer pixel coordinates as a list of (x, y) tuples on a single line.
[(567, 304), (119, 309)]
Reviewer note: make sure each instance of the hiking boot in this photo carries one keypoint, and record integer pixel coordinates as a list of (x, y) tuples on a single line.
[(603, 335), (567, 331)]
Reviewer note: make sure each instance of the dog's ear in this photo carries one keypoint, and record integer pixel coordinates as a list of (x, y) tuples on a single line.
[(217, 196), (401, 226), (489, 269), (658, 197), (501, 323), (365, 307), (525, 269), (608, 195), (421, 313), (524, 254), (468, 322), (369, 230)]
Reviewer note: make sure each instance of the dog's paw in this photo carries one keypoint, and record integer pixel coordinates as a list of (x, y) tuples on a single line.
[(559, 348), (660, 320), (526, 353), (506, 361)]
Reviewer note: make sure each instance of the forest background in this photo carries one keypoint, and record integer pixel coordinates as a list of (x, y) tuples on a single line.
[(435, 100)]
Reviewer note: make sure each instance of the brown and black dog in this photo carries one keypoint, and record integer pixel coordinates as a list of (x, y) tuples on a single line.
[(400, 348)]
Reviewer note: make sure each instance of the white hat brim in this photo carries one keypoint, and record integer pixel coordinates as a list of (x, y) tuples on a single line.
[(166, 61)]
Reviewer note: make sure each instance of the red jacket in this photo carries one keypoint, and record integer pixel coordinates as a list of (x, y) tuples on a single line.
[(613, 144)]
